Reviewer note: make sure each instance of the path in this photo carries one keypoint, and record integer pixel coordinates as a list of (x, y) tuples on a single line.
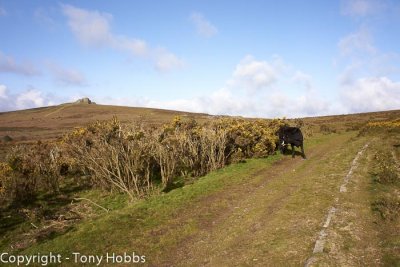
[(276, 218), (58, 110)]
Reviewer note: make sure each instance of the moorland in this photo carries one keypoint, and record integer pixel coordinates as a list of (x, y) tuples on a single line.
[(189, 189)]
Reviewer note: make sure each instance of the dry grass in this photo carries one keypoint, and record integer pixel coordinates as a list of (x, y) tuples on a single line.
[(52, 122)]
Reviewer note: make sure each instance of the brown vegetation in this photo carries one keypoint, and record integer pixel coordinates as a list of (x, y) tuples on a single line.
[(140, 157), (133, 159), (29, 169)]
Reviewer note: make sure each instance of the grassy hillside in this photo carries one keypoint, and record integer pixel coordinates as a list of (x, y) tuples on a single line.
[(51, 122)]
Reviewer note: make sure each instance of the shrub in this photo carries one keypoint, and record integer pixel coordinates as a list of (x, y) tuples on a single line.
[(298, 122), (31, 168), (23, 181), (385, 171), (392, 126), (114, 158), (388, 207), (186, 148), (325, 129), (5, 182), (247, 139), (135, 160)]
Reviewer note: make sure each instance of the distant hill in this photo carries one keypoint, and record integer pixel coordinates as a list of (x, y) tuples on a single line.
[(53, 121)]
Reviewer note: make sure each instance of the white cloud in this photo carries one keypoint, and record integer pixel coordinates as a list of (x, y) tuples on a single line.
[(226, 102), (241, 97), (67, 77), (29, 99), (3, 92), (303, 78), (165, 60), (310, 104), (93, 29), (360, 58), (235, 99), (361, 8), (372, 94), (348, 74), (356, 43), (219, 102), (9, 65), (203, 27), (134, 47), (222, 102), (229, 100), (119, 101), (365, 83), (282, 103), (252, 75), (274, 101)]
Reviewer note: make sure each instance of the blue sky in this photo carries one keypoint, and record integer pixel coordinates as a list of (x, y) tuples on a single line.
[(250, 58)]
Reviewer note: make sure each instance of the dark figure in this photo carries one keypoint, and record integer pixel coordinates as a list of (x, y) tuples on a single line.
[(293, 136)]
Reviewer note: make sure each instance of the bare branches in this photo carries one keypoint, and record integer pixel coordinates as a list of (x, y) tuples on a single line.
[(136, 160)]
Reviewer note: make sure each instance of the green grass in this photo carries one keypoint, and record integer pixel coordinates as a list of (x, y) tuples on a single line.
[(138, 220)]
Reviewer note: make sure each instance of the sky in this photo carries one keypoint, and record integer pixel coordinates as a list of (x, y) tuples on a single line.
[(259, 58)]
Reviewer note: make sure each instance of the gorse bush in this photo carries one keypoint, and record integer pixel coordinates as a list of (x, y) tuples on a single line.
[(395, 124), (392, 126), (29, 169), (247, 139), (5, 181), (133, 159), (385, 170), (137, 160), (114, 158)]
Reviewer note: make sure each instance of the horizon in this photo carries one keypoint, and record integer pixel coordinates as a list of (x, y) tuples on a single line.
[(262, 59), (184, 111)]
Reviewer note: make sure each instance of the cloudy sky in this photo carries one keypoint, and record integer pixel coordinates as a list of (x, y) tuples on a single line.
[(252, 58)]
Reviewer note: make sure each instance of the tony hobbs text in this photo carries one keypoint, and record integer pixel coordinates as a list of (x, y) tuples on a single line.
[(75, 257)]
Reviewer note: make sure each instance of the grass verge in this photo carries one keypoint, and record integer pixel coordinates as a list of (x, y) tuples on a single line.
[(385, 196)]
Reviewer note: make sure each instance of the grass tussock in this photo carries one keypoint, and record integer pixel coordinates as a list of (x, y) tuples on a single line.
[(387, 206)]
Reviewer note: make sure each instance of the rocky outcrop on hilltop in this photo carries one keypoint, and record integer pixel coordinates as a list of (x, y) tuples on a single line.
[(84, 100)]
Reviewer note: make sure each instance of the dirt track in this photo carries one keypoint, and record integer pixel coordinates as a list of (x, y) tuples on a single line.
[(274, 219)]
